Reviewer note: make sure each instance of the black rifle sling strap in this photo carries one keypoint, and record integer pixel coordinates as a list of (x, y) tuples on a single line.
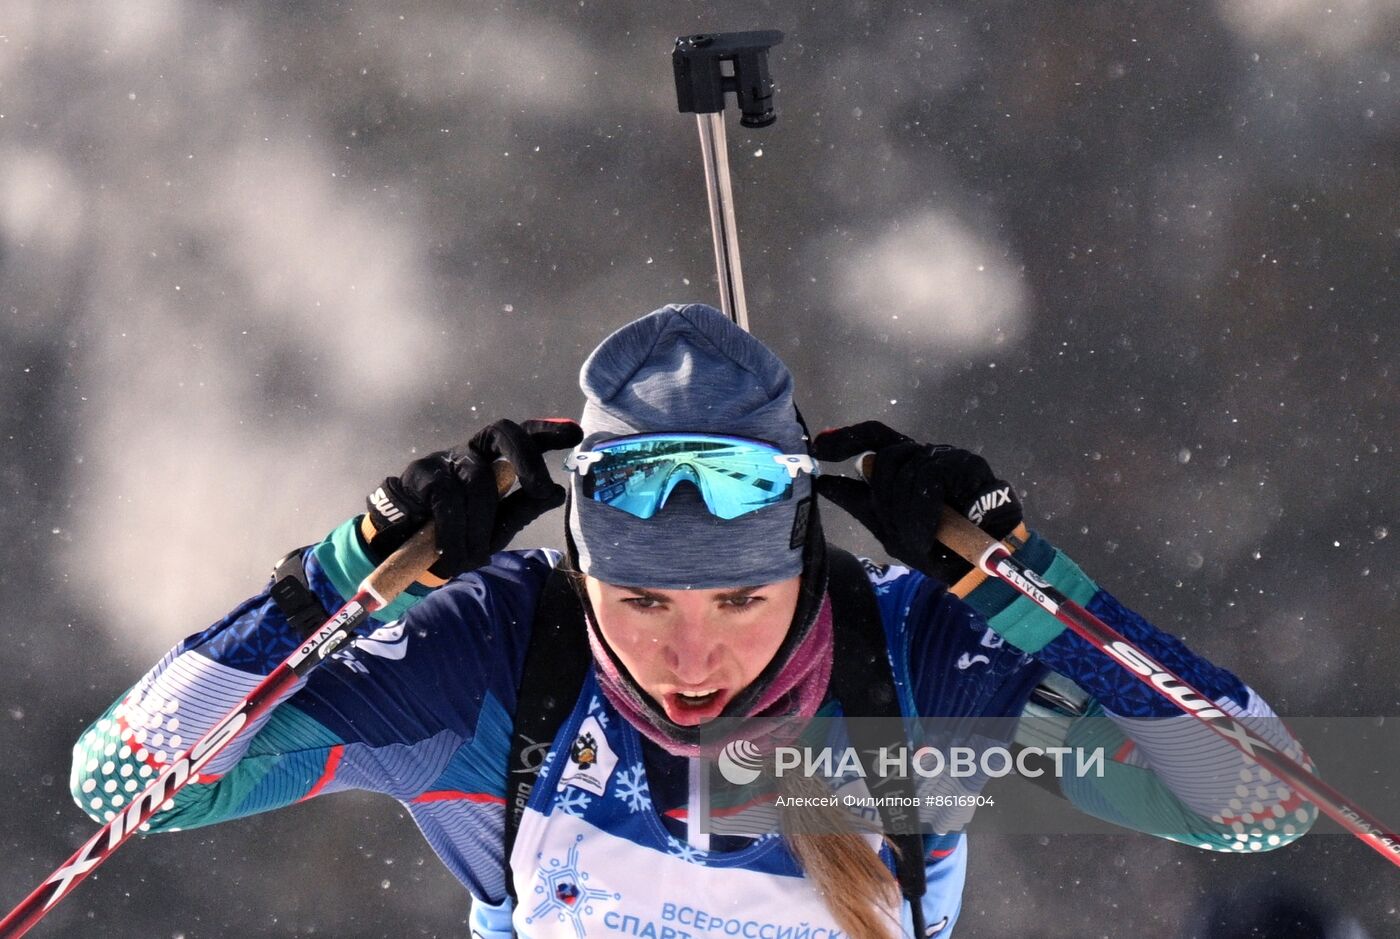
[(558, 659), (294, 596), (556, 664), (862, 680)]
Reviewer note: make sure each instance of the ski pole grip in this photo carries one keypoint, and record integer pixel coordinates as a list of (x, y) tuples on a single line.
[(505, 477), (419, 552), (967, 540)]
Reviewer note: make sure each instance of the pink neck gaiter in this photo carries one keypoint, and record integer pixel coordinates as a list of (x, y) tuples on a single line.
[(786, 705)]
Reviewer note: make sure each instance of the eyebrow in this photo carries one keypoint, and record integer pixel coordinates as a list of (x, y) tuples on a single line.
[(734, 594)]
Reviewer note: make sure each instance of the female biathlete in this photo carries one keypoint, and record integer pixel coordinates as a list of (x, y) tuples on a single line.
[(704, 606)]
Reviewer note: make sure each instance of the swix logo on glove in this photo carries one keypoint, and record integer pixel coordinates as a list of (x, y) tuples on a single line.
[(992, 500), (384, 505)]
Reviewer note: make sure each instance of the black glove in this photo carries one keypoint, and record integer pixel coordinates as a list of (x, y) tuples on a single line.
[(456, 490), (911, 482)]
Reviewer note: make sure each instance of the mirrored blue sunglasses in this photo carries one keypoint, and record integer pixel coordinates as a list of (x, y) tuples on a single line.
[(735, 475)]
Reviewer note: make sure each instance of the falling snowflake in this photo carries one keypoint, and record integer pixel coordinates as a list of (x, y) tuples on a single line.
[(572, 801), (687, 853), (632, 788)]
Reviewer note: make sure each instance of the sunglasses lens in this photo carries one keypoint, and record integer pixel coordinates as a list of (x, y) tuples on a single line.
[(734, 476)]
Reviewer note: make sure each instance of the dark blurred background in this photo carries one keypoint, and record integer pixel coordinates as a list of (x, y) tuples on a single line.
[(252, 255)]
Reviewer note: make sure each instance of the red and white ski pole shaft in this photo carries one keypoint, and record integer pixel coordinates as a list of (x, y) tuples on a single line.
[(377, 591), (992, 557)]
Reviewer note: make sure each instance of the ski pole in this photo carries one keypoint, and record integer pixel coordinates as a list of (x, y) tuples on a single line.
[(993, 558), (700, 63), (377, 591)]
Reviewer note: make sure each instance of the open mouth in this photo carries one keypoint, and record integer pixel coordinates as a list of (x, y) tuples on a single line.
[(697, 698), (689, 708)]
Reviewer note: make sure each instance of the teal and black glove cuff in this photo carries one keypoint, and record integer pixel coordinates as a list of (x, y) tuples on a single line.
[(1017, 618), (347, 561)]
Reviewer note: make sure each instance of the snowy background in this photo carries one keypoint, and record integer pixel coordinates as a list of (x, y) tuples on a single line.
[(1141, 255)]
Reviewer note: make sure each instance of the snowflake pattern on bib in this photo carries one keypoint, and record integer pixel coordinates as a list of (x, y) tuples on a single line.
[(631, 788), (572, 801)]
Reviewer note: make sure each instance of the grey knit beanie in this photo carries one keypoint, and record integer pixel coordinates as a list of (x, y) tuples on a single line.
[(688, 368)]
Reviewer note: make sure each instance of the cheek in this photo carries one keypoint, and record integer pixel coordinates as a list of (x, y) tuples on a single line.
[(635, 646), (760, 644)]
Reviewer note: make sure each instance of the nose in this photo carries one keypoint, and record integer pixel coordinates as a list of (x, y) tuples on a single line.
[(691, 649)]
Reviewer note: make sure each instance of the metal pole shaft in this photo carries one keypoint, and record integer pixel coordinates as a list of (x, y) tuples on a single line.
[(731, 276)]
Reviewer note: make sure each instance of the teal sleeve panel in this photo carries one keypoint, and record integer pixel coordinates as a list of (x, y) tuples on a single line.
[(290, 759), (1017, 618), (1135, 797), (284, 763), (346, 561)]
